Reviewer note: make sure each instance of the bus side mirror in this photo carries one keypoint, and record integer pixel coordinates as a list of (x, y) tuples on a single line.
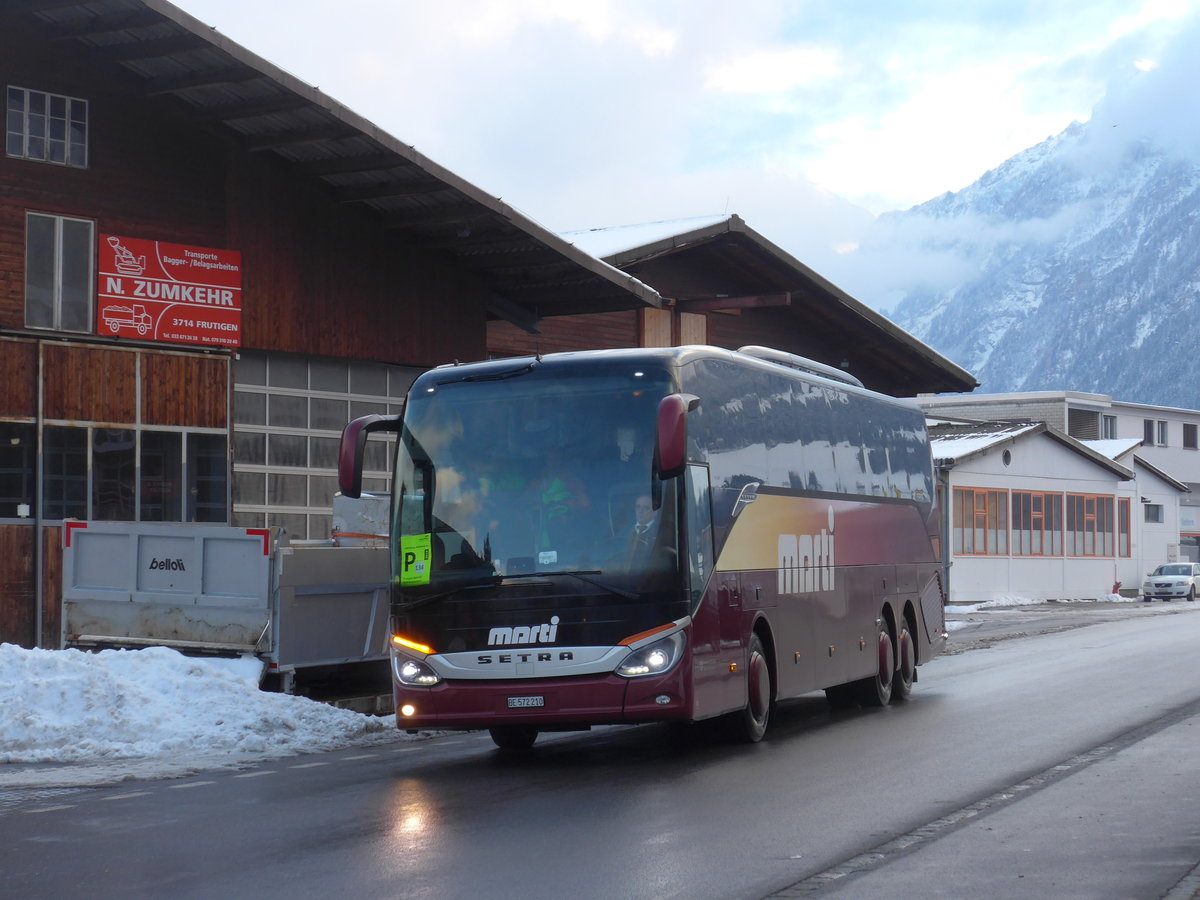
[(352, 447), (670, 455)]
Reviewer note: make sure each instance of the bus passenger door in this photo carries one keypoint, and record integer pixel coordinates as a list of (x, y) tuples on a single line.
[(716, 605)]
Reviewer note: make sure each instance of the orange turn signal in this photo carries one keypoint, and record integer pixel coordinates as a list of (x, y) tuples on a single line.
[(411, 645), (641, 635)]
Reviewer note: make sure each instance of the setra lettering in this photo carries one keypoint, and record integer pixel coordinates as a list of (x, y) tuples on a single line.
[(488, 659)]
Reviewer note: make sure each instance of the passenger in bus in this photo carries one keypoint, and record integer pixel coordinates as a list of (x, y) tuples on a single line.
[(560, 503), (642, 535)]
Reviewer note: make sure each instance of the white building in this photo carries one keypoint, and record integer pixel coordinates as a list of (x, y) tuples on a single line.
[(1169, 437), (1031, 512)]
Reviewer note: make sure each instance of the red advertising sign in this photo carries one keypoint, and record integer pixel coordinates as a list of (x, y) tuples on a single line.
[(169, 292)]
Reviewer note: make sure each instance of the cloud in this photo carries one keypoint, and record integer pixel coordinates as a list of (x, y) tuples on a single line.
[(1155, 96), (796, 116), (776, 70), (936, 252), (1155, 102)]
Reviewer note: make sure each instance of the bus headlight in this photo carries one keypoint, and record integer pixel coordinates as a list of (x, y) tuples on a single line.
[(653, 659), (412, 673)]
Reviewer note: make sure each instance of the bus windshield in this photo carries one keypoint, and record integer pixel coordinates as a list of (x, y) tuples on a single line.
[(532, 473)]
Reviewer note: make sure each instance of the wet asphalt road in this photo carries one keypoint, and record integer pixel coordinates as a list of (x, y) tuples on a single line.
[(1059, 763)]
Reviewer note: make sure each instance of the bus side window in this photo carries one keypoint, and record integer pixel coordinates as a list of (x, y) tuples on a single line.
[(699, 531)]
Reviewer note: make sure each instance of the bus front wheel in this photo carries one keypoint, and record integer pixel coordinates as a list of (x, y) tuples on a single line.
[(749, 724), (513, 737)]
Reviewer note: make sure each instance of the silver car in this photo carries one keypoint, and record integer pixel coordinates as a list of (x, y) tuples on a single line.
[(1172, 581)]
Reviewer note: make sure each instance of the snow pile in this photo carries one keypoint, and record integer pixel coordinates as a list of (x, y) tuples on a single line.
[(68, 706), (1006, 602)]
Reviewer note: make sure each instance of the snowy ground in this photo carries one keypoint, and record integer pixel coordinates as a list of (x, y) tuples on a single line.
[(122, 714), (69, 718), (1010, 602)]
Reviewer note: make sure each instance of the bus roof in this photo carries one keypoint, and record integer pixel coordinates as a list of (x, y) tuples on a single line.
[(668, 357)]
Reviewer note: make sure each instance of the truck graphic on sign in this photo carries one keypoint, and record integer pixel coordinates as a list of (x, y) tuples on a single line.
[(133, 318)]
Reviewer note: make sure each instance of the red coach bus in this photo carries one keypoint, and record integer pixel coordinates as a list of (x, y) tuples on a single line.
[(670, 534)]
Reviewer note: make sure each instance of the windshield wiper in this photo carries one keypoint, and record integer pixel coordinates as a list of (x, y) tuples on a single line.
[(582, 576), (495, 580), (490, 376), (421, 601)]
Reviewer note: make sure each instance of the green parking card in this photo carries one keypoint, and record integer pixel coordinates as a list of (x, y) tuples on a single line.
[(414, 559)]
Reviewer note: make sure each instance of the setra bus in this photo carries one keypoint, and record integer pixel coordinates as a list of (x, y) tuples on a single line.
[(787, 542)]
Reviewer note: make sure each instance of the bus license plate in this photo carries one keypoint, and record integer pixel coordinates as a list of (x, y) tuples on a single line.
[(525, 702)]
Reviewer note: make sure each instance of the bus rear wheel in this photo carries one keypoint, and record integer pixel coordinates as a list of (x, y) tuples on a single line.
[(906, 665), (749, 724), (513, 737), (876, 690)]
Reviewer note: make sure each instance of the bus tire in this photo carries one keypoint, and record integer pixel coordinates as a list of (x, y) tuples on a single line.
[(749, 724), (876, 690), (513, 737), (906, 664)]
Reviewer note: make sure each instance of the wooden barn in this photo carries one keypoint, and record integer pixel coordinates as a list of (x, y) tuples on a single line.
[(724, 284), (208, 266)]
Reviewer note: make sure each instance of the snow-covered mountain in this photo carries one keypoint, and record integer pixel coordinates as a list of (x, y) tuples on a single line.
[(1079, 264), (1075, 265)]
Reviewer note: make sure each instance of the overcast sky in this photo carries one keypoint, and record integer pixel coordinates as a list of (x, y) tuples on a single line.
[(805, 118)]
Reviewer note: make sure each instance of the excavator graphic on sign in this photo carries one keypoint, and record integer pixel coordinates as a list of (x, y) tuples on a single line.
[(126, 263)]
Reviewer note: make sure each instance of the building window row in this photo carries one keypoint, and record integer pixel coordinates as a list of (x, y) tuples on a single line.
[(1042, 523), (1156, 433), (114, 474)]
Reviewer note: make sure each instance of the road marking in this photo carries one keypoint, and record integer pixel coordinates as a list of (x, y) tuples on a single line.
[(360, 756), (127, 796), (309, 765), (884, 853), (406, 749), (254, 774), (184, 787), (51, 808)]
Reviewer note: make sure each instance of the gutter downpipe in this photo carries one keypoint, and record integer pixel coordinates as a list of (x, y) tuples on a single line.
[(944, 467), (38, 587)]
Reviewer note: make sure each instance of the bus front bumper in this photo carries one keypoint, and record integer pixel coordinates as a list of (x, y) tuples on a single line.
[(548, 703)]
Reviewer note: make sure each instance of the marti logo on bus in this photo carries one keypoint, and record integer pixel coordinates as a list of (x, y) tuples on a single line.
[(806, 564), (524, 634)]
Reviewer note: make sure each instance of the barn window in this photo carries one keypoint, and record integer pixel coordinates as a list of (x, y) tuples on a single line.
[(58, 272), (289, 412), (147, 475), (47, 127), (18, 456)]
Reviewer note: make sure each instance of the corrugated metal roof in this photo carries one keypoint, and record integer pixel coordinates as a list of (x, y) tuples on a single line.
[(532, 272), (720, 263)]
